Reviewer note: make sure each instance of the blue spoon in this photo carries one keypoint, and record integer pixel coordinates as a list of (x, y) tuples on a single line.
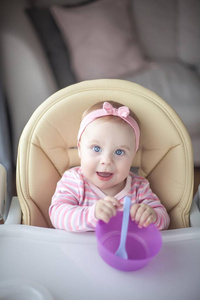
[(121, 251)]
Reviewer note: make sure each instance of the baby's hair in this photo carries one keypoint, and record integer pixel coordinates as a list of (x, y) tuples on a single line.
[(99, 105)]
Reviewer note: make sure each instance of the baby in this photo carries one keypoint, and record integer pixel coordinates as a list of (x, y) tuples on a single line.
[(108, 139)]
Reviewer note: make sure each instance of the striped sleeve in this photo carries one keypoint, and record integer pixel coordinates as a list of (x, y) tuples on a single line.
[(146, 196), (67, 210)]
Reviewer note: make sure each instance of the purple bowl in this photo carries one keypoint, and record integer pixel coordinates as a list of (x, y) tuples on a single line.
[(142, 244)]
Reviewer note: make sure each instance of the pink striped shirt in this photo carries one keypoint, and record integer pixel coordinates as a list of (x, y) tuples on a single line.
[(73, 203)]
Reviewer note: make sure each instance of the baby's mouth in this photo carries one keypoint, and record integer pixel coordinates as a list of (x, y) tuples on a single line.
[(105, 176)]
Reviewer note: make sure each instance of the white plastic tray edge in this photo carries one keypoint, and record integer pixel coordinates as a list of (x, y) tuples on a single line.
[(53, 235)]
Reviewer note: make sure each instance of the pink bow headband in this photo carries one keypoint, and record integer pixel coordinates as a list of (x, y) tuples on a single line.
[(107, 110)]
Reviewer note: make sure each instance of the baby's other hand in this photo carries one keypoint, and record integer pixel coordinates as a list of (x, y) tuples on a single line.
[(143, 214), (106, 208)]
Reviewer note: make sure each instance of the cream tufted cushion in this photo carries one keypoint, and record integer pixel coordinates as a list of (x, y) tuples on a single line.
[(48, 147)]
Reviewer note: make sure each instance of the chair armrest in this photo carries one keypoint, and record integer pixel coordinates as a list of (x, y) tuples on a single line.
[(195, 210), (3, 188), (14, 214)]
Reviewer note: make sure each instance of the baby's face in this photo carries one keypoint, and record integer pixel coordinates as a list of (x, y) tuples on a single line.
[(106, 150)]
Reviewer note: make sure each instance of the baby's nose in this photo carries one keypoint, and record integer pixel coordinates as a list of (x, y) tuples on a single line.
[(106, 159)]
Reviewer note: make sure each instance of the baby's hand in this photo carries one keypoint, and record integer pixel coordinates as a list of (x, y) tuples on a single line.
[(106, 208), (143, 214)]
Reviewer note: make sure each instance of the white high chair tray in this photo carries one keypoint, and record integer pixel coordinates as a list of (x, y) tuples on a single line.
[(39, 263)]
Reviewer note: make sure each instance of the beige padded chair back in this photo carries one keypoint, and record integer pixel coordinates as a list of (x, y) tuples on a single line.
[(48, 147)]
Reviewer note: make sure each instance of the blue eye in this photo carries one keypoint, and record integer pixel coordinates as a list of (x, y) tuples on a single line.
[(96, 149), (119, 152)]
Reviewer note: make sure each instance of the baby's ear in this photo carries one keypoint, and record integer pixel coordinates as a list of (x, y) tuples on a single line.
[(79, 149)]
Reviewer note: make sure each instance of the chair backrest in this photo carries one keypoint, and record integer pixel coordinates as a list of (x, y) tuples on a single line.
[(48, 146)]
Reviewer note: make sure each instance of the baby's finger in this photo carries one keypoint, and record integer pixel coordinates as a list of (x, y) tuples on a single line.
[(146, 219), (140, 211), (149, 221), (113, 200), (108, 211), (133, 211), (143, 219), (111, 208)]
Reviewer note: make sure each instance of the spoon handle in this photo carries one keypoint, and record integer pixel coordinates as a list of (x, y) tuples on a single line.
[(125, 221), (121, 251)]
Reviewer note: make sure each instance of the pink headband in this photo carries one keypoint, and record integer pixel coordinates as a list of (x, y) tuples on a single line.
[(107, 110)]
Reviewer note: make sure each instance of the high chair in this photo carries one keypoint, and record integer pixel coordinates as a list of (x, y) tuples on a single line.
[(48, 147)]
